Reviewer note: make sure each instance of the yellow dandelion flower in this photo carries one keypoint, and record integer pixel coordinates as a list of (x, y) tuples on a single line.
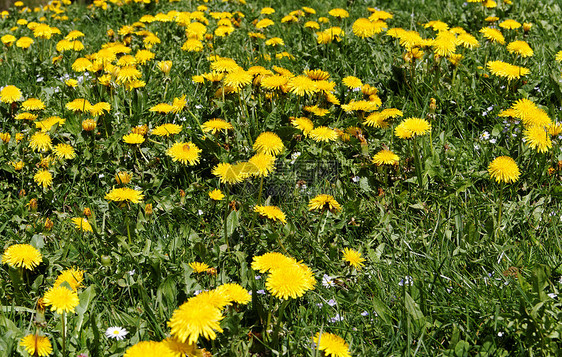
[(271, 212), (522, 48), (324, 202), (332, 345), (493, 35), (216, 195), (228, 173), (37, 345), (166, 129), (504, 169), (72, 276), (61, 299), (235, 293), (43, 178), (64, 151), (271, 261), (198, 267), (184, 153), (33, 104), (82, 224), (268, 143), (352, 82), (385, 157), (99, 108), (510, 24), (149, 349), (537, 138), (133, 138), (79, 105), (302, 85), (124, 194), (323, 134), (22, 256), (193, 319), (339, 13), (506, 70), (304, 124), (353, 258), (10, 94), (290, 281), (215, 125), (275, 82)]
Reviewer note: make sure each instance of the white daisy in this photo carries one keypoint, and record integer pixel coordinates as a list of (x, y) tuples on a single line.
[(116, 332)]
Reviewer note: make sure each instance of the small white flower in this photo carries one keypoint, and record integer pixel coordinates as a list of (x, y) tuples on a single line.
[(132, 272), (492, 141), (332, 302), (355, 179), (406, 281), (500, 334), (365, 313), (552, 295), (485, 135), (199, 212), (116, 332), (327, 281), (198, 106), (257, 277), (261, 292)]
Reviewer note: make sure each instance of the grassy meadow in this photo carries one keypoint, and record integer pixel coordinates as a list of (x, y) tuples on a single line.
[(282, 178)]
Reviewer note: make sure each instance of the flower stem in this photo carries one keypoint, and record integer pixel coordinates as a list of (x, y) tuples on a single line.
[(417, 162)]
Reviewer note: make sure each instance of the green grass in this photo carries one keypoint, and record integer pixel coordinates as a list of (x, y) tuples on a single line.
[(445, 273)]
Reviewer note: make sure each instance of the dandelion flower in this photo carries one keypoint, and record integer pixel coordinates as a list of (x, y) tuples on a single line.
[(275, 82), (133, 138), (353, 257), (510, 24), (235, 293), (116, 333), (73, 277), (504, 169), (290, 281), (124, 194), (352, 82), (46, 124), (332, 345), (522, 48), (163, 108), (10, 94), (82, 224), (79, 105), (43, 178), (324, 202), (99, 108), (324, 134), (339, 13), (64, 151), (261, 164), (537, 138), (149, 349), (216, 195), (506, 70), (198, 267), (61, 299), (237, 78), (22, 256), (184, 153), (271, 261), (123, 177), (37, 345), (385, 157), (228, 173), (215, 125), (412, 127), (268, 143), (33, 104), (492, 34), (193, 319), (166, 129), (271, 212), (303, 124), (302, 85)]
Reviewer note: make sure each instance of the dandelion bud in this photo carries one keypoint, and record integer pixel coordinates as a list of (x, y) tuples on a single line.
[(165, 66), (123, 177), (148, 209), (48, 224), (527, 26), (140, 129), (89, 125), (21, 193), (87, 212), (182, 193), (432, 105), (5, 137), (33, 204)]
